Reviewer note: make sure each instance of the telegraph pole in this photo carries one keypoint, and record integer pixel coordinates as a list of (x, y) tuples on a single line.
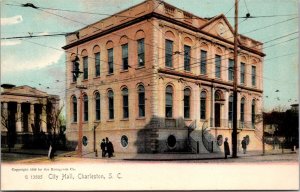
[(234, 130), (80, 120)]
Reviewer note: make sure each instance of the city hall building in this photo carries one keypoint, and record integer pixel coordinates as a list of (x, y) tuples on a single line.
[(160, 79)]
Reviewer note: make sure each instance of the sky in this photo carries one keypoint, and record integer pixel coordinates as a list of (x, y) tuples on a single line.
[(40, 62)]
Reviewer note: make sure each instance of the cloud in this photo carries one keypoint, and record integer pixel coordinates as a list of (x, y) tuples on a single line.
[(10, 42), (12, 63), (12, 20)]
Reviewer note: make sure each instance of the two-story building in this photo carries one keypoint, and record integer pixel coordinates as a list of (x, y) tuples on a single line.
[(160, 79)]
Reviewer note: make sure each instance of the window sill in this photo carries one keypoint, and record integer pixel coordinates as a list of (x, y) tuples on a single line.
[(141, 118), (169, 68), (98, 77), (187, 119), (169, 118), (110, 120), (85, 122), (74, 123), (140, 67), (97, 121), (85, 80), (125, 119), (110, 74), (124, 71)]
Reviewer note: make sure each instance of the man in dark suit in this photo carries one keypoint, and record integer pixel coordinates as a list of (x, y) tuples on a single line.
[(110, 148), (226, 148), (103, 147)]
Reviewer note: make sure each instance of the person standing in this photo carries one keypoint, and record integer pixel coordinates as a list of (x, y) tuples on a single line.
[(110, 148), (226, 148), (103, 147), (244, 145)]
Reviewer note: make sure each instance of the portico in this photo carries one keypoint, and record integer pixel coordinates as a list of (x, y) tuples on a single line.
[(23, 114)]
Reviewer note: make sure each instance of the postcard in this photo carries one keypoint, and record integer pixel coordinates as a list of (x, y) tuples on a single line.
[(149, 95)]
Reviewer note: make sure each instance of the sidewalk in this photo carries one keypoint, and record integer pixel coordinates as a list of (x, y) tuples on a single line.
[(150, 157), (181, 156)]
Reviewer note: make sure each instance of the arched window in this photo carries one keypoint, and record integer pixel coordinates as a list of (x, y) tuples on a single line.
[(74, 112), (187, 95), (203, 105), (242, 111), (218, 60), (230, 108), (169, 53), (141, 52), (110, 95), (169, 101), (97, 64), (85, 67), (253, 113), (85, 108), (187, 58), (141, 95), (125, 103), (97, 106), (203, 62)]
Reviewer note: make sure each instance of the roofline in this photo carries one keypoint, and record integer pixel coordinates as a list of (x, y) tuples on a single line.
[(118, 13), (158, 16)]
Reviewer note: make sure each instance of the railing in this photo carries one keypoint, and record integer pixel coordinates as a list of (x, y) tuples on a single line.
[(229, 123), (207, 143), (194, 145)]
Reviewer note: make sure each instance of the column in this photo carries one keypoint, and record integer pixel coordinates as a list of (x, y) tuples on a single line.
[(31, 118), (4, 113), (19, 127), (44, 119)]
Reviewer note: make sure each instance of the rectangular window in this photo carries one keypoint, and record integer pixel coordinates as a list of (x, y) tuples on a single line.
[(125, 56), (242, 73), (110, 61), (125, 107), (85, 68), (253, 74), (218, 66), (169, 53), (142, 104), (141, 53), (203, 62), (187, 58), (230, 69), (97, 64)]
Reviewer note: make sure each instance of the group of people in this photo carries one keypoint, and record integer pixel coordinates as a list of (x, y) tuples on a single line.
[(227, 150), (107, 148)]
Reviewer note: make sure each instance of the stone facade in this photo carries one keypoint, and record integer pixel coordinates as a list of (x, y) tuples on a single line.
[(165, 75), (24, 114)]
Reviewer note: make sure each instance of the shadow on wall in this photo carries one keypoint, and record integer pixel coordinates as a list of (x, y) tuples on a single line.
[(168, 135)]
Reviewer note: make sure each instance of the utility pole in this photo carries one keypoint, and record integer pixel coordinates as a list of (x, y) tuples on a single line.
[(79, 152), (234, 130)]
